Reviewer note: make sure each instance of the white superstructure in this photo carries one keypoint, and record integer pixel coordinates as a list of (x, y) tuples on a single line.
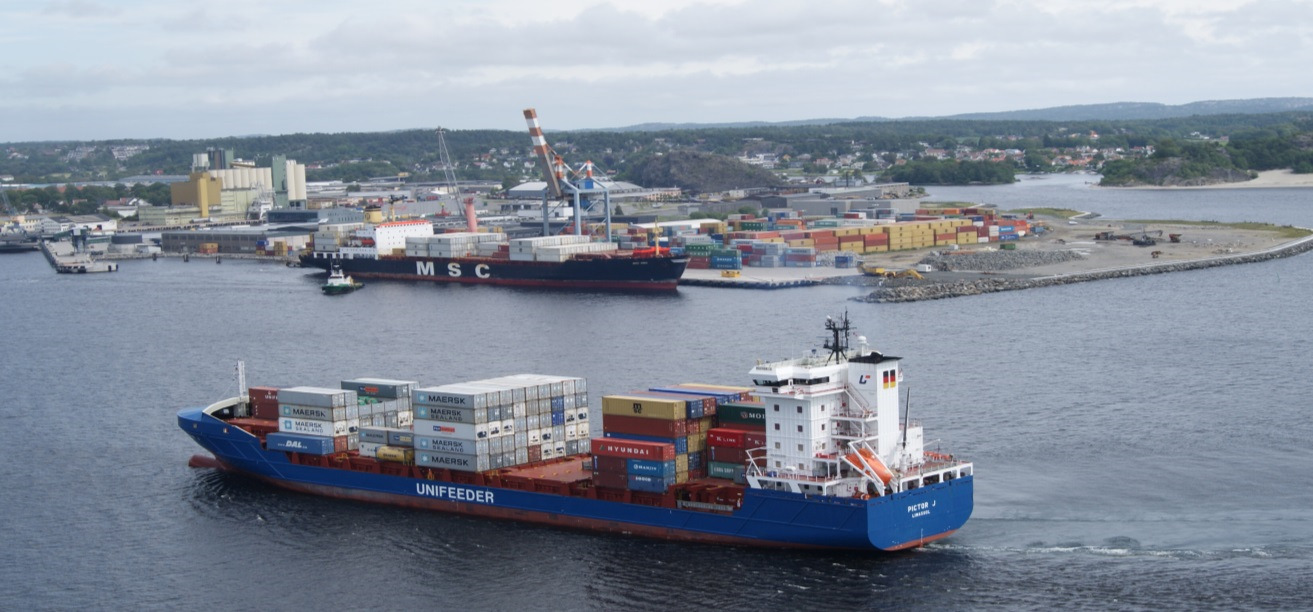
[(833, 426)]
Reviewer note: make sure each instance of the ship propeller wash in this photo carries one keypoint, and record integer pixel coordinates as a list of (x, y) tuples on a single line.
[(815, 454)]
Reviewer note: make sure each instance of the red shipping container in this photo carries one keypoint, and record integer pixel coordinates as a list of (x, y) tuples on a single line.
[(720, 436), (644, 426), (610, 480), (535, 453), (633, 449), (725, 454), (754, 439), (268, 394), (611, 465), (693, 427)]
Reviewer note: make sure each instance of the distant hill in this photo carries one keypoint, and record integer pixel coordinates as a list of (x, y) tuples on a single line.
[(699, 172), (1115, 111)]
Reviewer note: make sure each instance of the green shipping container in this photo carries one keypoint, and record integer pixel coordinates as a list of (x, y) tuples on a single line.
[(731, 471), (754, 414)]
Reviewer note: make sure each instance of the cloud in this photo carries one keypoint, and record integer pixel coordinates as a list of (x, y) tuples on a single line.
[(335, 65)]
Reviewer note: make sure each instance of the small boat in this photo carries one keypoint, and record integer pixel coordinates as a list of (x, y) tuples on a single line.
[(338, 283)]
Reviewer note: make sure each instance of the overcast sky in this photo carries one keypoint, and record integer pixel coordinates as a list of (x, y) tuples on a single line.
[(101, 69)]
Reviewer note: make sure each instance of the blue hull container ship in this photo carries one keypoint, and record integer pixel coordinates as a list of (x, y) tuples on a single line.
[(814, 455)]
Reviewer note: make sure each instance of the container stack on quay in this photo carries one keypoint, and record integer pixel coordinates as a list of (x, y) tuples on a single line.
[(783, 241), (500, 422)]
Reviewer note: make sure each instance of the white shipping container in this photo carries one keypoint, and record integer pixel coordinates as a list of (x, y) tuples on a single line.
[(447, 429), (327, 429), (548, 451), (452, 445), (521, 456), (535, 436), (507, 427), (463, 463), (316, 396), (369, 449)]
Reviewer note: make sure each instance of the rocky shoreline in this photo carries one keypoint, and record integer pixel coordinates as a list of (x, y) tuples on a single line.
[(959, 288)]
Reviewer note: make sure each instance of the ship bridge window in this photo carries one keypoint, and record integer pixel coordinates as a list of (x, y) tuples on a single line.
[(811, 381)]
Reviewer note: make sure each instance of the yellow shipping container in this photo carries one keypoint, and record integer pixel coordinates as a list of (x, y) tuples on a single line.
[(623, 405), (396, 454), (697, 443), (878, 248), (681, 462), (681, 477)]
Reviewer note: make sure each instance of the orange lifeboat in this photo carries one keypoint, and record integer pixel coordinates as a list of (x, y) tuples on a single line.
[(868, 458)]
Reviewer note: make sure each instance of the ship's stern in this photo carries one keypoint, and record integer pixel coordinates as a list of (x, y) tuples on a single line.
[(917, 517)]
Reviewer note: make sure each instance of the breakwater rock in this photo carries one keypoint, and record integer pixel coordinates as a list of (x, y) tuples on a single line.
[(995, 261), (959, 288)]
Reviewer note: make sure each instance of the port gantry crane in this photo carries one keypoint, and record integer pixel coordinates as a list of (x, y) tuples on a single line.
[(449, 171), (559, 176)]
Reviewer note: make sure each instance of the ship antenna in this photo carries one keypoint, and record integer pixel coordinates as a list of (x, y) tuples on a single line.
[(907, 416), (838, 344)]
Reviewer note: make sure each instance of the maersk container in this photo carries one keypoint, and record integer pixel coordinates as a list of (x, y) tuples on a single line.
[(520, 424), (326, 429), (558, 403), (374, 435), (318, 413), (495, 445), (452, 445), (496, 461), (532, 421), (298, 443), (535, 436), (650, 468), (521, 438), (558, 435), (447, 413), (461, 463), (508, 427), (572, 447), (521, 456), (457, 396), (547, 434), (317, 396), (581, 414), (380, 387)]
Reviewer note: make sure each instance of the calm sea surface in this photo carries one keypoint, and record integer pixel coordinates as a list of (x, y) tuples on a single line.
[(1140, 443)]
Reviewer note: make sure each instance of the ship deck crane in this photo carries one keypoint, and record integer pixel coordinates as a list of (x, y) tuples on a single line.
[(559, 177)]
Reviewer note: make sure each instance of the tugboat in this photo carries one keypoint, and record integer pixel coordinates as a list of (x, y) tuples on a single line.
[(339, 283)]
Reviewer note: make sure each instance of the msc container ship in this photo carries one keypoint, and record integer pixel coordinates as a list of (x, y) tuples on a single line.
[(408, 250), (813, 455)]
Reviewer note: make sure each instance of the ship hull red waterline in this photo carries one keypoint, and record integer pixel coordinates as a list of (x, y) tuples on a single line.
[(763, 518), (653, 273)]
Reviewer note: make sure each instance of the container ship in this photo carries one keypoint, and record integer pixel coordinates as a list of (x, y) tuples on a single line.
[(814, 454), (409, 250)]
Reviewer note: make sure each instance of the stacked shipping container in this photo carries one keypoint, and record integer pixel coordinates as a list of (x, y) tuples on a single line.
[(500, 422)]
